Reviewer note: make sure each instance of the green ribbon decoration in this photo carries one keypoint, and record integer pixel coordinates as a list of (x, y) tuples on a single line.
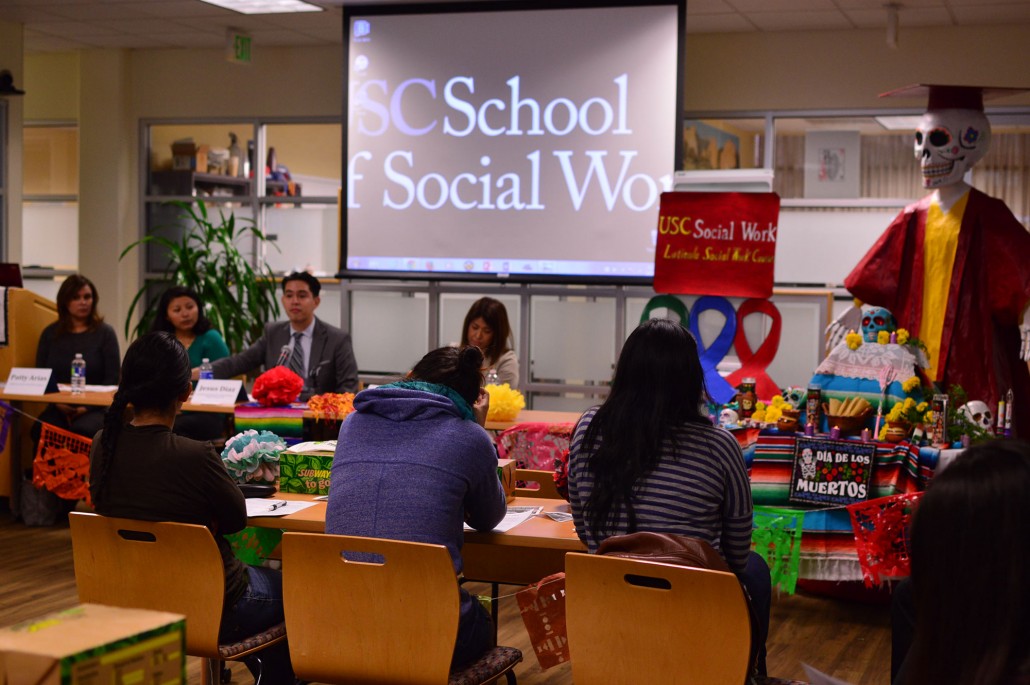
[(253, 545), (670, 302), (777, 539)]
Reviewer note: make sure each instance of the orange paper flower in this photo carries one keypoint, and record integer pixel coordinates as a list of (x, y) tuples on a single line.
[(331, 406)]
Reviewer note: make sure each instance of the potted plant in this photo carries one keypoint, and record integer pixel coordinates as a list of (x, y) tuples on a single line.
[(238, 298)]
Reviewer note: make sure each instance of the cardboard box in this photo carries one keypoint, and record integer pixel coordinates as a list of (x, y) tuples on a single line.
[(305, 467), (95, 644), (188, 156), (506, 472)]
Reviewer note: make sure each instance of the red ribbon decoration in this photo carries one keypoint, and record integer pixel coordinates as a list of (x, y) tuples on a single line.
[(754, 364)]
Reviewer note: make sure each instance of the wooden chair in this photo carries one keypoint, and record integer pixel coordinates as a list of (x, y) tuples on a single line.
[(544, 479), (389, 622), (632, 621), (173, 567)]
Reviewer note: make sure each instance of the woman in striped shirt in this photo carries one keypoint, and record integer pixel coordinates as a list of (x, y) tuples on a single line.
[(650, 460)]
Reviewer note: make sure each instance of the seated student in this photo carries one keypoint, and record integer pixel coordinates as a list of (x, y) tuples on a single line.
[(970, 566), (181, 313), (650, 460), (79, 329), (486, 326), (413, 463), (141, 470), (317, 352)]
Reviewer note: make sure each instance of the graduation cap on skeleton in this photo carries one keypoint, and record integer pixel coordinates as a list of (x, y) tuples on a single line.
[(954, 134)]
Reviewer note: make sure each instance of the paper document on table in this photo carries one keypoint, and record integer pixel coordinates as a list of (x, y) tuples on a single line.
[(274, 507), (65, 387), (816, 677), (512, 518)]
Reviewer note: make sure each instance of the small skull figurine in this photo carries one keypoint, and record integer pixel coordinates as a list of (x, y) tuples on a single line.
[(949, 142), (876, 320), (728, 417), (979, 413), (807, 464)]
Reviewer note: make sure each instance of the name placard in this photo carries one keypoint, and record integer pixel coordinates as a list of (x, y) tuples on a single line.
[(22, 381), (220, 393)]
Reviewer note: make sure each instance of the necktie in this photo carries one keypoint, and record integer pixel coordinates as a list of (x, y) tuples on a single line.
[(297, 356)]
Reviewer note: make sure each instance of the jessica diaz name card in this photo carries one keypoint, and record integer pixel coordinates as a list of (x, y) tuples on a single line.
[(220, 393), (22, 381)]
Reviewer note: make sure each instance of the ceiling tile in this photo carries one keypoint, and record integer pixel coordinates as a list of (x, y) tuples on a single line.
[(24, 13), (195, 39), (279, 37), (800, 21), (908, 17), (183, 8), (44, 43), (74, 29), (718, 23), (749, 6), (906, 5), (708, 7), (97, 11), (980, 14)]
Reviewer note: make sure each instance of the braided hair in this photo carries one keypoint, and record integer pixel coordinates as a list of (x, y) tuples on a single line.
[(155, 372)]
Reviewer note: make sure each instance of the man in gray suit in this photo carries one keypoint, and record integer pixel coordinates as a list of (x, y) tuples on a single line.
[(317, 352)]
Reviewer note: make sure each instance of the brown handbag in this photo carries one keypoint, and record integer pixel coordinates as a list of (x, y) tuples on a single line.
[(667, 548)]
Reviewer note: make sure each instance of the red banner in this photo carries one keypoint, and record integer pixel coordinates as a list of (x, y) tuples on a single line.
[(716, 244)]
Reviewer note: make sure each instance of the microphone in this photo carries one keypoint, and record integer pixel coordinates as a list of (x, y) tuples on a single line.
[(284, 354)]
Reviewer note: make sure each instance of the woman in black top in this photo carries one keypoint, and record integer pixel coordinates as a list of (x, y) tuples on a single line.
[(79, 329), (139, 469)]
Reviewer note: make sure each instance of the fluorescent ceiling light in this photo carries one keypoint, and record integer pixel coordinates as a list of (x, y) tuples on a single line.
[(265, 6), (900, 123)]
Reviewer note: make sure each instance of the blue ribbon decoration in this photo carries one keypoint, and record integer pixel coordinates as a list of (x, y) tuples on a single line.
[(720, 391)]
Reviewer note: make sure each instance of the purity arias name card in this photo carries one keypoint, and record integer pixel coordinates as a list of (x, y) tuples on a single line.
[(221, 393), (27, 381)]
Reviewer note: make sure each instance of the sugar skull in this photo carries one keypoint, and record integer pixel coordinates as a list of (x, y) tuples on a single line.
[(949, 142), (979, 414), (728, 417), (876, 320), (807, 464)]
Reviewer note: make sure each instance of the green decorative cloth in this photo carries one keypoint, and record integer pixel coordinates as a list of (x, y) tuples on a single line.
[(777, 539), (253, 545), (437, 389)]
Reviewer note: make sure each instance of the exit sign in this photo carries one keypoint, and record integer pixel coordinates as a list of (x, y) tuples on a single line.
[(238, 47)]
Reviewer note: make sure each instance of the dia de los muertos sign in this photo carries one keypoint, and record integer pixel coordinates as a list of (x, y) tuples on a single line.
[(831, 472), (716, 244)]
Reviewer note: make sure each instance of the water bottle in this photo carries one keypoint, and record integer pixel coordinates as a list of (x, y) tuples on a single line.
[(492, 378), (207, 372), (78, 374)]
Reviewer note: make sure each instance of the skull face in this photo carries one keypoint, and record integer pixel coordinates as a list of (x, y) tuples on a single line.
[(807, 464), (979, 413), (876, 320), (949, 142), (728, 417)]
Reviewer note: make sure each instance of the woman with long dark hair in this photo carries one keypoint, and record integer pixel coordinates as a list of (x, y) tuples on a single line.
[(414, 463), (970, 567), (649, 460), (180, 312), (79, 329), (486, 327), (139, 469)]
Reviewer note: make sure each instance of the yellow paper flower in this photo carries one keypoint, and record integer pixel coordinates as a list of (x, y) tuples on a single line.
[(896, 412), (760, 406), (909, 403), (911, 384), (902, 336), (854, 340), (921, 407), (773, 414), (759, 415), (882, 437), (505, 403), (883, 337), (928, 418), (778, 401)]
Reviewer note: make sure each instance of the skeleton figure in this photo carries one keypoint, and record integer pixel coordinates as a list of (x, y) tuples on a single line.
[(807, 464), (954, 267), (728, 417)]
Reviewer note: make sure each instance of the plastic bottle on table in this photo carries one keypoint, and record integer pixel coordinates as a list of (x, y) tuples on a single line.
[(207, 372), (78, 374)]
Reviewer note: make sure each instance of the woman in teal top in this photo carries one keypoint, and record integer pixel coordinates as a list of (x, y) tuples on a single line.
[(181, 313)]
